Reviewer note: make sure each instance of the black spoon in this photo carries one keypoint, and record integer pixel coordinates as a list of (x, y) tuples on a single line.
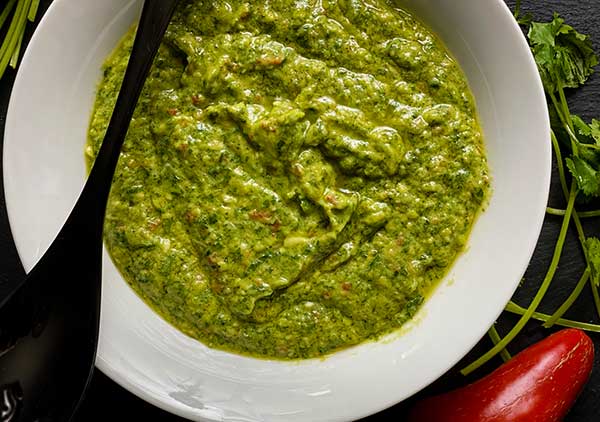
[(49, 322)]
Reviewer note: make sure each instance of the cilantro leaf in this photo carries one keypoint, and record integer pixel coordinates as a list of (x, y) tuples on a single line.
[(595, 130), (582, 127), (588, 140), (586, 176), (565, 58), (593, 255), (590, 134)]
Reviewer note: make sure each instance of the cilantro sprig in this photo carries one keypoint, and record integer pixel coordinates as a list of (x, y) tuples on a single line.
[(565, 59), (17, 12)]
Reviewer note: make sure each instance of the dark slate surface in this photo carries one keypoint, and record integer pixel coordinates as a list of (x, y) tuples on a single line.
[(106, 400)]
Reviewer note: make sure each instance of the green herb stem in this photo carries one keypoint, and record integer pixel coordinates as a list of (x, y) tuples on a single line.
[(557, 106), (517, 9), (518, 310), (17, 26), (559, 164), (562, 109), (565, 107), (563, 184), (14, 59), (540, 293), (6, 11), (565, 118), (582, 239), (582, 214), (33, 10), (576, 219), (495, 337), (13, 39), (570, 300)]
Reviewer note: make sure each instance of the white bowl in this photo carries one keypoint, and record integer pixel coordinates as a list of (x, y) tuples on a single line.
[(44, 172)]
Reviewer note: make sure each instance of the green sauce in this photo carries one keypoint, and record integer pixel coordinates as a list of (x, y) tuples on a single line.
[(296, 176)]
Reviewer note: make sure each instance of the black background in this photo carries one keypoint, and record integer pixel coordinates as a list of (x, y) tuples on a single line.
[(108, 401)]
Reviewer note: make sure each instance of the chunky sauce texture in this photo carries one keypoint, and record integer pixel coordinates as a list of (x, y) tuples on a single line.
[(297, 175)]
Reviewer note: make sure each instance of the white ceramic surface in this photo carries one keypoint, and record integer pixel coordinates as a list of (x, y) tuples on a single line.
[(44, 173)]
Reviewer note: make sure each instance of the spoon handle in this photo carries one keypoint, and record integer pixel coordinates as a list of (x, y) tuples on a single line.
[(86, 219), (155, 18), (49, 323)]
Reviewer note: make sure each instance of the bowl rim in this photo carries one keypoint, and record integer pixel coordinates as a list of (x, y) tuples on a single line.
[(176, 407)]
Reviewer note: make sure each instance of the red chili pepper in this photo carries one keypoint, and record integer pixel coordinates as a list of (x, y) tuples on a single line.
[(540, 384)]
